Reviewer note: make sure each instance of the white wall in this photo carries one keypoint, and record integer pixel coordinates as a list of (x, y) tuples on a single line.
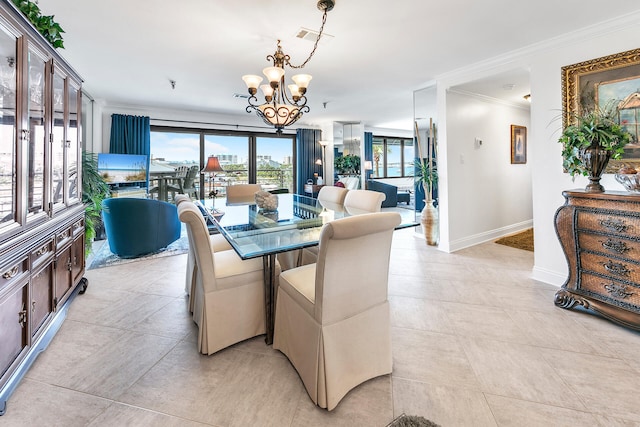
[(486, 196), (549, 180)]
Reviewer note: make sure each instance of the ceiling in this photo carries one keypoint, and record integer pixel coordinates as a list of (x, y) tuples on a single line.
[(128, 51)]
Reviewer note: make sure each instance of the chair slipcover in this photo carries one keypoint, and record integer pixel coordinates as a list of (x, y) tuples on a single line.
[(218, 244), (332, 317), (228, 297), (137, 227), (390, 192), (242, 193), (363, 201)]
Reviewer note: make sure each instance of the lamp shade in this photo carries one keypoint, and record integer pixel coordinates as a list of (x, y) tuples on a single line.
[(319, 162), (368, 165), (213, 165)]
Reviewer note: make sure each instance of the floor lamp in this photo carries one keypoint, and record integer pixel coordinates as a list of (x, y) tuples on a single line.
[(212, 166), (324, 158)]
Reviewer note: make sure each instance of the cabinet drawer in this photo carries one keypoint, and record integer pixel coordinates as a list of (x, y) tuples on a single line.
[(41, 254), (621, 269), (13, 272), (609, 223), (78, 227), (614, 245), (63, 237), (611, 291)]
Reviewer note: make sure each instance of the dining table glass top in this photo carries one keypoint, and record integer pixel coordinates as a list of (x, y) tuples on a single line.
[(295, 224)]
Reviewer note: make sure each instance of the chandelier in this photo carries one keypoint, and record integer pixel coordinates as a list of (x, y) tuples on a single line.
[(279, 108)]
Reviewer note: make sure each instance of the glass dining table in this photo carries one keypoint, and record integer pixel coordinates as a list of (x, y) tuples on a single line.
[(254, 232)]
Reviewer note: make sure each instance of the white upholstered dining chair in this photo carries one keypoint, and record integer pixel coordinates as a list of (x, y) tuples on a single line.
[(228, 296), (242, 193), (218, 244), (363, 201), (332, 317)]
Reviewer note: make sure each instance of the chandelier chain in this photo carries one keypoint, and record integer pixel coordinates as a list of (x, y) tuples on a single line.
[(315, 46)]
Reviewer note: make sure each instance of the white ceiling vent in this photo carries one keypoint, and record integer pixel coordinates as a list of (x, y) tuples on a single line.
[(312, 35), (241, 95)]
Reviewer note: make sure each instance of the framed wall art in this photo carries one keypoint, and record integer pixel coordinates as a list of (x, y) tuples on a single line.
[(610, 81), (518, 144)]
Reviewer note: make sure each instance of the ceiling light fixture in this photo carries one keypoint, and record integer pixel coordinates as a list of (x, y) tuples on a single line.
[(280, 109)]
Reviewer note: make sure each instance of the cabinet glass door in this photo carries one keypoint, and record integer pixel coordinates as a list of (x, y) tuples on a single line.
[(73, 143), (58, 143), (8, 80), (36, 136)]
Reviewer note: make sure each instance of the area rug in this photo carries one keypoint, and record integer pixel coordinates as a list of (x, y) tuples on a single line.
[(412, 421), (103, 257), (522, 240)]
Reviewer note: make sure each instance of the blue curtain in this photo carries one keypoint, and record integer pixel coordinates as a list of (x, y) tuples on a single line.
[(308, 151), (130, 135), (368, 153)]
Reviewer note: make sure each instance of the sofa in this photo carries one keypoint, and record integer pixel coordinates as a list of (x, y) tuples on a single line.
[(137, 227), (391, 191)]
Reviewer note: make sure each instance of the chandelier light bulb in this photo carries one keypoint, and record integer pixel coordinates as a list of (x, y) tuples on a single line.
[(252, 81), (295, 92), (267, 90), (302, 80), (274, 74)]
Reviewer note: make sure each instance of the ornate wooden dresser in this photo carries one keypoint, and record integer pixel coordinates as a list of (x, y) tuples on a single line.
[(600, 236), (41, 211)]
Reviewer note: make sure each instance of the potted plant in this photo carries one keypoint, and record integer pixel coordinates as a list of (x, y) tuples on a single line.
[(348, 164), (94, 191), (592, 138), (426, 174)]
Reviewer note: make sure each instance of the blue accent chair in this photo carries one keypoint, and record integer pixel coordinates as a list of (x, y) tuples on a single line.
[(137, 227), (391, 191)]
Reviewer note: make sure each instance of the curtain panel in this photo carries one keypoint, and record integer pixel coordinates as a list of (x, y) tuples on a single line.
[(368, 154), (308, 151), (130, 135)]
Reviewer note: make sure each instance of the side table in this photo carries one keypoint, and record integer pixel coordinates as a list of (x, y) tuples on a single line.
[(312, 189)]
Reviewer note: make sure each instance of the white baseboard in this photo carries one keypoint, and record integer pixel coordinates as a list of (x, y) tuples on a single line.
[(547, 276), (486, 236)]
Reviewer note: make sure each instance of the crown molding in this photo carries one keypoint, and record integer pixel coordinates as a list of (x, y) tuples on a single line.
[(490, 99)]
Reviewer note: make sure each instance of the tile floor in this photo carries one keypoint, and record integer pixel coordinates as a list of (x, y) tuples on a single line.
[(476, 342)]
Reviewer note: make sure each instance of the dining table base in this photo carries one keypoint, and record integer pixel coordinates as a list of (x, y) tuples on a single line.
[(269, 266)]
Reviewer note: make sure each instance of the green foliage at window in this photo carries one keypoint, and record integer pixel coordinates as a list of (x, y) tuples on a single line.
[(45, 24)]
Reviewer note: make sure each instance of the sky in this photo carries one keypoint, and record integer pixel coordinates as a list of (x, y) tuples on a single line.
[(186, 147)]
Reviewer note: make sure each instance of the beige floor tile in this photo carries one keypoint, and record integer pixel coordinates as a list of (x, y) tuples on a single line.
[(39, 404), (370, 404), (124, 415), (111, 370), (518, 371), (607, 421), (607, 386), (517, 413), (431, 357), (444, 405), (172, 321), (228, 388), (422, 314)]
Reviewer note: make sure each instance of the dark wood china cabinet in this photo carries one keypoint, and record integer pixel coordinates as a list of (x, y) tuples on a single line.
[(41, 214)]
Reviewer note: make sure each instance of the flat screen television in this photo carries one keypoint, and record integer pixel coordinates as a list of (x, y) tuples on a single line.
[(123, 169)]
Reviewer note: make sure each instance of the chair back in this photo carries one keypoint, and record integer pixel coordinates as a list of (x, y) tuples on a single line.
[(242, 193), (331, 194), (363, 201), (199, 243), (352, 270)]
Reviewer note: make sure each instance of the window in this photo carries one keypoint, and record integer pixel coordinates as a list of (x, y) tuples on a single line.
[(246, 157), (392, 157)]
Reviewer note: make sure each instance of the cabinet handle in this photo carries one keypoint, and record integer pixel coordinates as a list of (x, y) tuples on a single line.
[(11, 273), (33, 306), (616, 246), (612, 224), (616, 268), (22, 317), (617, 290), (25, 134), (42, 250)]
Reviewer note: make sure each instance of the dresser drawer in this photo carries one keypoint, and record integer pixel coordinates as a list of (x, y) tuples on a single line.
[(42, 253), (621, 269), (614, 245), (13, 272), (611, 291), (609, 223)]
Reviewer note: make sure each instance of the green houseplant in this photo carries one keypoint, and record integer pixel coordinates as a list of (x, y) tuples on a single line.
[(347, 164), (592, 138), (45, 24), (94, 191)]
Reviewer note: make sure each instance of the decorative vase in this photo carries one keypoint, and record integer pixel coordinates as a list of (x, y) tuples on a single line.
[(595, 160), (430, 223)]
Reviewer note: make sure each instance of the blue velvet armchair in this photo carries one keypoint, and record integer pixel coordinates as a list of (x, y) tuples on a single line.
[(136, 227)]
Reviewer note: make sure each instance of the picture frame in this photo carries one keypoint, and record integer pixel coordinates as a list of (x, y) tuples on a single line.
[(518, 145), (605, 81)]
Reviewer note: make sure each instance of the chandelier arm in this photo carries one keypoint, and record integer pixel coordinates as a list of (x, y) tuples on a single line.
[(315, 46)]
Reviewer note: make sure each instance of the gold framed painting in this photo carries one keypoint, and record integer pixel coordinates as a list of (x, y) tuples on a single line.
[(518, 144), (612, 80)]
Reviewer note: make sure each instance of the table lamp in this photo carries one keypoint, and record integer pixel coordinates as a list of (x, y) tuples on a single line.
[(212, 166)]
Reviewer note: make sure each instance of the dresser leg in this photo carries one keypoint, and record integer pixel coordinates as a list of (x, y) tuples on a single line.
[(566, 299)]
